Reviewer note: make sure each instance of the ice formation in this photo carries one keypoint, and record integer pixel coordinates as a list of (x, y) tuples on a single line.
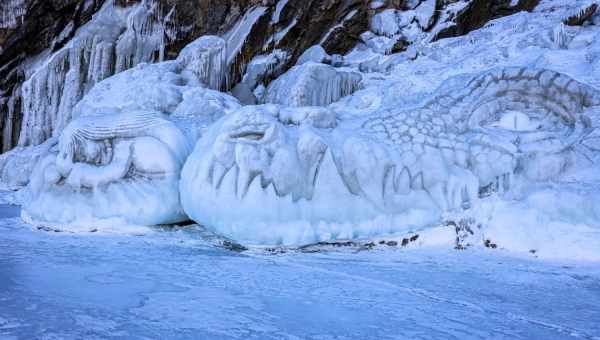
[(11, 12), (117, 167), (175, 87), (293, 181), (261, 69), (114, 40), (119, 161), (312, 84), (316, 54), (239, 33), (206, 57)]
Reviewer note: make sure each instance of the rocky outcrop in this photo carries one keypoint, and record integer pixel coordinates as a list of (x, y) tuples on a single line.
[(35, 32), (27, 28), (478, 12)]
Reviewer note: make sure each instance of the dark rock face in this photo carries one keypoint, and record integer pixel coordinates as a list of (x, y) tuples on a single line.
[(479, 12), (33, 32), (582, 16), (47, 25)]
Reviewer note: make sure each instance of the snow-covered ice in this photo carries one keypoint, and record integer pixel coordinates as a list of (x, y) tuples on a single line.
[(174, 283)]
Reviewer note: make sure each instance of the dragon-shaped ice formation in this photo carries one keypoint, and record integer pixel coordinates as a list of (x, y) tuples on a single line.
[(270, 175)]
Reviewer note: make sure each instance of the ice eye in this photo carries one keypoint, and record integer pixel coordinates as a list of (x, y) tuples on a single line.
[(516, 121)]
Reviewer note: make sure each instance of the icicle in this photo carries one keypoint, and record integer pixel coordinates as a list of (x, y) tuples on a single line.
[(312, 84), (207, 59), (104, 46), (560, 36), (11, 12)]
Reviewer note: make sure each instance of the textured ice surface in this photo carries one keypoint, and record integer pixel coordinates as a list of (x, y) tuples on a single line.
[(314, 54), (112, 168), (114, 40), (119, 162), (174, 284), (435, 130), (206, 57), (312, 84), (293, 181)]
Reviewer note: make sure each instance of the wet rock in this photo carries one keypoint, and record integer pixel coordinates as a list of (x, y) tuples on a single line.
[(489, 244), (478, 12), (584, 14)]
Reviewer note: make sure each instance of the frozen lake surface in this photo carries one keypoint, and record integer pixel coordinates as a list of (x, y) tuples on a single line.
[(176, 284)]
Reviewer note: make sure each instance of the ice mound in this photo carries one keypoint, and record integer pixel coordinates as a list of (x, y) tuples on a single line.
[(312, 84), (17, 164), (269, 175), (206, 57), (119, 161), (165, 87), (119, 167)]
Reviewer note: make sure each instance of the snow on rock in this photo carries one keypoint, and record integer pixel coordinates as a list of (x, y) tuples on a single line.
[(262, 67), (312, 84), (278, 9), (314, 54), (114, 40), (400, 168), (386, 23), (425, 14), (239, 33)]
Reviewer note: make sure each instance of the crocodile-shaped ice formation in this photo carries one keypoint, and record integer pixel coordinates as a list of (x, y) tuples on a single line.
[(258, 177)]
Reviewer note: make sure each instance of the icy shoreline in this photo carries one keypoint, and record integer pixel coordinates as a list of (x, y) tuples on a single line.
[(174, 284)]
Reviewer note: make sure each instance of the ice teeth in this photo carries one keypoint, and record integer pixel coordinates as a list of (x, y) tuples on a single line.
[(205, 169), (437, 194), (506, 181), (312, 175), (218, 172), (417, 182), (229, 183), (389, 190), (255, 189), (243, 182), (403, 182)]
